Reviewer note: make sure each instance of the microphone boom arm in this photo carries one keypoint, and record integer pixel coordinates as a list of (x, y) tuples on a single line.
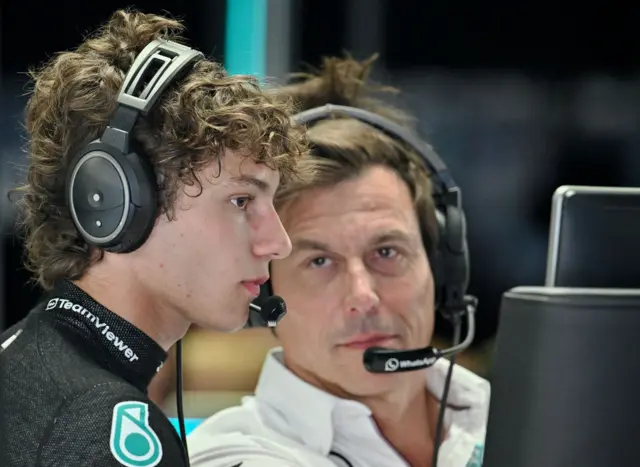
[(470, 313)]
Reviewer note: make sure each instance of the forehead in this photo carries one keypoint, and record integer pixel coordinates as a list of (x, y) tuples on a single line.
[(374, 201), (236, 169)]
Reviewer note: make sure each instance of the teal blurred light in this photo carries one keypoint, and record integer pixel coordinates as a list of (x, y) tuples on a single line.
[(246, 37)]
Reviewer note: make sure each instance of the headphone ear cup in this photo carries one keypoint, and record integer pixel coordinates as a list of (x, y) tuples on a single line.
[(145, 191), (453, 261), (436, 258), (112, 197), (457, 267), (450, 264)]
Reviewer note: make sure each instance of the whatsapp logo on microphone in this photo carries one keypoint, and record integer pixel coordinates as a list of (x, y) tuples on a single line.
[(133, 442)]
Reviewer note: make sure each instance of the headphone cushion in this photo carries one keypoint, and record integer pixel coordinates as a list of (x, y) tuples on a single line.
[(144, 188), (450, 258), (437, 256)]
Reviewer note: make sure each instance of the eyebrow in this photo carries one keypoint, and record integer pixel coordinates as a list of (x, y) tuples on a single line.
[(302, 244), (250, 180), (394, 235)]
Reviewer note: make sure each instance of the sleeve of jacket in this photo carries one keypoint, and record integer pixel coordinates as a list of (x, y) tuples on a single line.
[(240, 450), (108, 427)]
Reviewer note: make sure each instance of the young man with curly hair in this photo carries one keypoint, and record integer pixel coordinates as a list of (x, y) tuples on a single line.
[(75, 372)]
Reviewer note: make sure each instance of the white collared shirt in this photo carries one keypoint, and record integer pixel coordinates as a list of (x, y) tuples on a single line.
[(292, 423)]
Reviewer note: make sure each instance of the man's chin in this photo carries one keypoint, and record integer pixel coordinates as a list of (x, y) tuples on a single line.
[(235, 325), (361, 383), (227, 323)]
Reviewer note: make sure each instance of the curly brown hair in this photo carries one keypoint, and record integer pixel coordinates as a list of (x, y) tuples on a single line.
[(345, 147), (73, 97)]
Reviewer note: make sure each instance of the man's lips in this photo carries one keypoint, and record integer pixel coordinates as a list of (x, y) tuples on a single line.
[(364, 341), (253, 285)]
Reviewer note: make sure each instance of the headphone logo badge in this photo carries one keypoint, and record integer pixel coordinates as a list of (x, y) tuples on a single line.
[(391, 365)]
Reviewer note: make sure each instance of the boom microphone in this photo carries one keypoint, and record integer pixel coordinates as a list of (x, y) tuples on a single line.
[(381, 360), (272, 310)]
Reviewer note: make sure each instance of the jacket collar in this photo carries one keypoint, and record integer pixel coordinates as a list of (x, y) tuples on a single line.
[(114, 343), (315, 417)]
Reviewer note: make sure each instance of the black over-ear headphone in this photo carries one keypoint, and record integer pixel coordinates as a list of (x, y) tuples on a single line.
[(450, 260), (111, 187)]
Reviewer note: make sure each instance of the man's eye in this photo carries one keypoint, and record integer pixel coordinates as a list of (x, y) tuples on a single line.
[(319, 262), (387, 252), (241, 201)]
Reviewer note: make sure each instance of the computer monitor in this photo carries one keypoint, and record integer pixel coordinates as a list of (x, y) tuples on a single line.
[(594, 238), (565, 380)]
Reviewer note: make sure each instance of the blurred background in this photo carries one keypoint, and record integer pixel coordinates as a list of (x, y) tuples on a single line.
[(517, 97)]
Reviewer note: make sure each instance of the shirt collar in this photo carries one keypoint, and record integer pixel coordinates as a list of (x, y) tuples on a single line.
[(312, 414), (112, 341)]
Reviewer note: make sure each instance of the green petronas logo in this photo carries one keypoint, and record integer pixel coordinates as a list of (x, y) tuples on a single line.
[(133, 442)]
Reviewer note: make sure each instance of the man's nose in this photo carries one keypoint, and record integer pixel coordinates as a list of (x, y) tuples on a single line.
[(361, 294), (272, 241)]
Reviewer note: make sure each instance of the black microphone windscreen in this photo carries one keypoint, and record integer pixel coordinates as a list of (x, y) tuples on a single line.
[(380, 360), (273, 310)]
